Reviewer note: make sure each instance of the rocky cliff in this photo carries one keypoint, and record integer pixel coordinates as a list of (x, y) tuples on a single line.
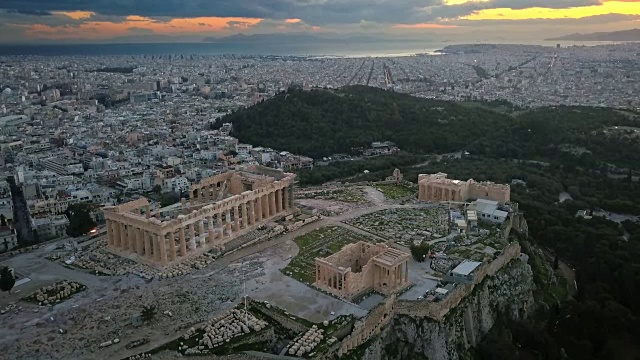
[(509, 294)]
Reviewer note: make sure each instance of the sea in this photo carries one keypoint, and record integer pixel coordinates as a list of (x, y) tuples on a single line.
[(347, 49)]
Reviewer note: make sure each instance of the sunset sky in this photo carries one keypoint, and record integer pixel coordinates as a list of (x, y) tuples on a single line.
[(191, 20)]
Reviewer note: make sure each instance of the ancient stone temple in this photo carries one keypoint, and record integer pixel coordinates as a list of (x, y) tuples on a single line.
[(362, 267), (221, 208), (437, 187)]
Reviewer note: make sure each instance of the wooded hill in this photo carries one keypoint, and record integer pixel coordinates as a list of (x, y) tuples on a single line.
[(320, 123)]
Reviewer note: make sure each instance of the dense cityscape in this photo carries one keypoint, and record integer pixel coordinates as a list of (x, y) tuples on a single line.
[(137, 224)]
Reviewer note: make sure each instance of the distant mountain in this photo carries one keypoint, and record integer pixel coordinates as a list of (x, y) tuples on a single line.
[(294, 39), (624, 35)]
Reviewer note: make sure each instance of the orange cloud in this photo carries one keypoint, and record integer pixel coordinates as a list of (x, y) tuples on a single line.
[(424, 26), (137, 18), (292, 21), (76, 15), (105, 29)]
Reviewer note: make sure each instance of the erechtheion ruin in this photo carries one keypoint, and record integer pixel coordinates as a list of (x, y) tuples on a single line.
[(437, 187), (221, 208), (362, 267)]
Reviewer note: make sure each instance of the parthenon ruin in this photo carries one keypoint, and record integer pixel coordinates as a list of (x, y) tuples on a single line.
[(437, 187), (361, 268), (221, 208)]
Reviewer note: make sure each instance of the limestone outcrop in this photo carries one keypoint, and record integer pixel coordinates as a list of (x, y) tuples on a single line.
[(508, 293)]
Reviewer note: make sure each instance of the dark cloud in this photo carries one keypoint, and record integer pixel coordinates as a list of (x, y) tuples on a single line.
[(28, 12), (314, 12)]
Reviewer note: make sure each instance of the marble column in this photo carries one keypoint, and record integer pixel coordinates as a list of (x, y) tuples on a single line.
[(109, 233), (406, 271), (192, 236), (236, 218), (245, 217), (147, 211), (131, 237), (148, 252), (140, 242), (212, 234), (228, 222), (279, 200), (163, 248), (265, 206), (252, 214), (286, 198), (219, 227), (258, 208), (155, 238), (183, 243), (272, 203), (172, 246), (123, 237), (201, 235), (114, 233)]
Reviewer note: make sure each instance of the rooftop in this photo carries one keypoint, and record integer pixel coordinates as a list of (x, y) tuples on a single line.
[(466, 267)]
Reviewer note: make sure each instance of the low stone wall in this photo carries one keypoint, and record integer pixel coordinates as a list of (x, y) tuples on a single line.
[(297, 225), (283, 320), (266, 335), (370, 326)]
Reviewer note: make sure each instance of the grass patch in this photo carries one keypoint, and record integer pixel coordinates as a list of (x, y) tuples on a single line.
[(395, 192), (354, 196), (323, 242)]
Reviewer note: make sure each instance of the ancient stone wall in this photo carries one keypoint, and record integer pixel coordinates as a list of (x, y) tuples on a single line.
[(266, 335), (372, 325), (487, 190), (360, 283), (437, 187), (284, 320), (351, 254)]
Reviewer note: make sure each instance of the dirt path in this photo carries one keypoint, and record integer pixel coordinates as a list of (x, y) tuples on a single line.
[(567, 272)]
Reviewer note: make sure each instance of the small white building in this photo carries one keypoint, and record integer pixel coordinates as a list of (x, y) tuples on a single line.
[(463, 273), (487, 210)]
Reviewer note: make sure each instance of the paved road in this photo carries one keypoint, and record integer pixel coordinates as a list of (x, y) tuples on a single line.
[(22, 222)]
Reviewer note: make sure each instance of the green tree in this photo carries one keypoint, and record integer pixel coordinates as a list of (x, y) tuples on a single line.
[(157, 189), (169, 198), (7, 279), (80, 221), (420, 252)]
